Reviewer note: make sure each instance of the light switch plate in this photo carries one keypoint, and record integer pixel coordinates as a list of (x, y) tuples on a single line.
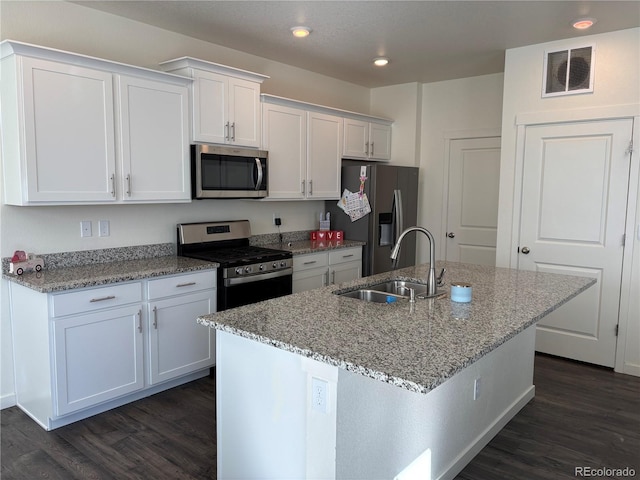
[(85, 228), (103, 228)]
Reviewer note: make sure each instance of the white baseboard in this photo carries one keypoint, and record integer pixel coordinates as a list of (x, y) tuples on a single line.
[(7, 401)]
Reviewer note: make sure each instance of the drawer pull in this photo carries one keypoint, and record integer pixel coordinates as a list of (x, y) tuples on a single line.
[(102, 299), (188, 284), (347, 256), (310, 263)]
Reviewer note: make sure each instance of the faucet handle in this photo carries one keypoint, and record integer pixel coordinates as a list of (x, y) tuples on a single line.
[(440, 280)]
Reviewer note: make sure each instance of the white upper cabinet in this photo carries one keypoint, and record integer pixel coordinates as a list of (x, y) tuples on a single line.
[(225, 102), (67, 138), (367, 140), (305, 150), (154, 141)]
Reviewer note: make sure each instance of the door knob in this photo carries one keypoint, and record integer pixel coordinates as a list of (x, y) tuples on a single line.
[(451, 235), (525, 250)]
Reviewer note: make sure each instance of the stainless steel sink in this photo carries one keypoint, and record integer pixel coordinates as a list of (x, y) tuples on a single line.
[(372, 296), (390, 291), (400, 287)]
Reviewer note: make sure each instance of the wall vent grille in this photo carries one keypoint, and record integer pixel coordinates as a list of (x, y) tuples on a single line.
[(570, 71)]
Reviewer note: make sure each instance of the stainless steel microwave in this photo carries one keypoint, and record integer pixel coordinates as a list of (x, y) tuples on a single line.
[(227, 172)]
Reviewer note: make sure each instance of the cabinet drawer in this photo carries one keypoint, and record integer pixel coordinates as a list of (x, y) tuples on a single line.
[(95, 299), (179, 284), (345, 255), (314, 260)]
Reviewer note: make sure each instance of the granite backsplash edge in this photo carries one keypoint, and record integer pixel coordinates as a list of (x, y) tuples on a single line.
[(137, 252)]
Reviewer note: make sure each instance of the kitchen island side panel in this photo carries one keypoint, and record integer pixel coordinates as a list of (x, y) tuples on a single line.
[(382, 429)]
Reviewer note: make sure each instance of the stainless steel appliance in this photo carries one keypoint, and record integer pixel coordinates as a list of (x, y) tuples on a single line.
[(393, 195), (247, 273), (228, 172)]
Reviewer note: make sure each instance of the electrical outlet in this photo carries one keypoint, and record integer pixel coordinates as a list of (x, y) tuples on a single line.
[(277, 220), (476, 389), (103, 228), (85, 228), (318, 395)]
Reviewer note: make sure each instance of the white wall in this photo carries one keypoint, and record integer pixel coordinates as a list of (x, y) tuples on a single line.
[(402, 104), (71, 27), (460, 108), (616, 85)]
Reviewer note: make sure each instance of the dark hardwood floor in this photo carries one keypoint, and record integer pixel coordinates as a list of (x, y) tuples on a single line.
[(582, 416)]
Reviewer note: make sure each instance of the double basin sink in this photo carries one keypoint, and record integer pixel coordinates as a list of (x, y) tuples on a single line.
[(389, 291)]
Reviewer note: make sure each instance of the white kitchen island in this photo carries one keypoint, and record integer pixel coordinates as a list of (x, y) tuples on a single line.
[(319, 386)]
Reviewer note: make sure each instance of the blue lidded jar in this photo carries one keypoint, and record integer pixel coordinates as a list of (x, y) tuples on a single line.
[(461, 292)]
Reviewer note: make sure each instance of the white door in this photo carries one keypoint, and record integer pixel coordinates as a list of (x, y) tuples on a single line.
[(472, 207), (574, 197)]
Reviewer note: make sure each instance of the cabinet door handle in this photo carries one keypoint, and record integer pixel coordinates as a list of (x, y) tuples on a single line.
[(372, 149), (303, 187), (233, 132), (333, 277), (155, 317), (113, 185), (366, 148), (102, 299), (310, 187), (140, 320), (187, 284), (325, 279), (128, 185), (226, 131)]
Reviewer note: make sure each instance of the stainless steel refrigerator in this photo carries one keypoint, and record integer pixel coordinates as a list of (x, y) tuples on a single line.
[(393, 195)]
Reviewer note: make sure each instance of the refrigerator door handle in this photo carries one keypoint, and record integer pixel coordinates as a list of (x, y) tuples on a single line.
[(397, 220)]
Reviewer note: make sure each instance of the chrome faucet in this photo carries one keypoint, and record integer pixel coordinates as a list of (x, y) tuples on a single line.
[(432, 284)]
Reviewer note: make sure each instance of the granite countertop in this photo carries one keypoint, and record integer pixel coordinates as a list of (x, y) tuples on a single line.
[(413, 346), (67, 278), (301, 247)]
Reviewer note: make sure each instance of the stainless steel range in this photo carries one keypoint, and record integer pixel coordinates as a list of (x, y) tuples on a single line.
[(247, 273)]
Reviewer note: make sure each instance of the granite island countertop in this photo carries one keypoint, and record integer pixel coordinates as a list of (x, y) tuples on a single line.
[(68, 278), (413, 346)]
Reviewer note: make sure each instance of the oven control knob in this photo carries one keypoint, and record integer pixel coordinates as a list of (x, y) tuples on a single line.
[(248, 269), (238, 270), (275, 265), (261, 267), (283, 264)]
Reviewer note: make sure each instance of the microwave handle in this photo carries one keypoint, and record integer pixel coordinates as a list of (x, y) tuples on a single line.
[(259, 167)]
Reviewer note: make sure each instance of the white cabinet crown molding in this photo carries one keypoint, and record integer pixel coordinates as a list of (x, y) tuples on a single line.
[(190, 62), (12, 47), (288, 102)]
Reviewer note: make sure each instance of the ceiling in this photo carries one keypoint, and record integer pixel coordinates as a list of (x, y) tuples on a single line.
[(426, 41)]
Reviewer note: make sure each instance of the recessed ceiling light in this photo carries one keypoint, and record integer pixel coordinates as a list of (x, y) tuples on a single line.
[(380, 61), (300, 32), (583, 23)]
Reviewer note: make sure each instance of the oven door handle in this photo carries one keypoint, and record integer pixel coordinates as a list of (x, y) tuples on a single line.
[(228, 282)]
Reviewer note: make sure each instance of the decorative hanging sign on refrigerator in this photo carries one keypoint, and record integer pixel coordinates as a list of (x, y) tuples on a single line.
[(356, 205)]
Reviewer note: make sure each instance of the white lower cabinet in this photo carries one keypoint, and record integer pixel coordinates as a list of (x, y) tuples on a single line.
[(315, 270), (82, 352), (178, 346), (98, 357)]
